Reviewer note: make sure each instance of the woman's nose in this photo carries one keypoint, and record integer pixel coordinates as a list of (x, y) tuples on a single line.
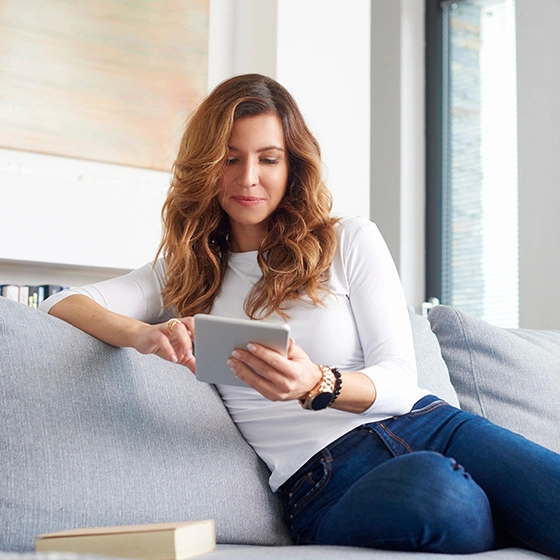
[(249, 175)]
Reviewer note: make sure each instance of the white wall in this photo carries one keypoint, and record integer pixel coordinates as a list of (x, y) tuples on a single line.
[(538, 53), (323, 58), (73, 212), (243, 38), (397, 136)]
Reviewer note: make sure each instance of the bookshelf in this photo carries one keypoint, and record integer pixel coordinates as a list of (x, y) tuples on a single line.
[(31, 282), (34, 273)]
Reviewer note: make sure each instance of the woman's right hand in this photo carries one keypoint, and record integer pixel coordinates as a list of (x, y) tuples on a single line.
[(172, 341)]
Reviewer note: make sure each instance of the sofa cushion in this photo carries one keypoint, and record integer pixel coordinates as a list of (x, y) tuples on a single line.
[(432, 371), (510, 376), (92, 435)]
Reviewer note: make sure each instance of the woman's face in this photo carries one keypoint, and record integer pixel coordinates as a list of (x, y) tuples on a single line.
[(255, 178)]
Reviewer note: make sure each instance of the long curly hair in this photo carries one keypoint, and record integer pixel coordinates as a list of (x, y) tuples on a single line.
[(298, 249)]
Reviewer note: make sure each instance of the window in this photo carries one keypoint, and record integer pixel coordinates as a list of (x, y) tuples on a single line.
[(472, 248)]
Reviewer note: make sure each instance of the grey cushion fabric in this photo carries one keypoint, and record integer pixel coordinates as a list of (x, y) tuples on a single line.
[(432, 370), (510, 376), (312, 552), (92, 435)]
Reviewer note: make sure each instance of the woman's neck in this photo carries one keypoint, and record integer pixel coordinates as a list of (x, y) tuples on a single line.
[(243, 240)]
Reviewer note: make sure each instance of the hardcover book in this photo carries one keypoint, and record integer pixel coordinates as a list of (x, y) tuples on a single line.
[(159, 541)]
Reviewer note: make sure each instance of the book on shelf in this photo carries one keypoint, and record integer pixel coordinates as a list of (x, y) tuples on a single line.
[(36, 296), (23, 294), (10, 291), (29, 295), (158, 541)]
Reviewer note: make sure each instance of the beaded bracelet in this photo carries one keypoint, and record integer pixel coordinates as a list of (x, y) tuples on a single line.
[(337, 384)]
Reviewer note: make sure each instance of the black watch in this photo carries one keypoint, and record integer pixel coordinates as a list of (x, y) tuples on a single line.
[(325, 392)]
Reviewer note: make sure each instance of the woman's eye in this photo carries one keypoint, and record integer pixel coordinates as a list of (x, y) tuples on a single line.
[(269, 161), (231, 161)]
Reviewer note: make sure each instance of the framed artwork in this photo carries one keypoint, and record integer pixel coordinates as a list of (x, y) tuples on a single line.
[(106, 80)]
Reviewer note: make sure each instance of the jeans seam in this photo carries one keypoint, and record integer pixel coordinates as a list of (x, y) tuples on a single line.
[(319, 487), (331, 446), (426, 409), (299, 484), (395, 437)]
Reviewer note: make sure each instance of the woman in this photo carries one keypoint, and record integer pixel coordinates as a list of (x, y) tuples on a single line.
[(360, 454)]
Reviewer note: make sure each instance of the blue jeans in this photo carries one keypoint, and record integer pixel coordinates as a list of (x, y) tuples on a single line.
[(438, 479)]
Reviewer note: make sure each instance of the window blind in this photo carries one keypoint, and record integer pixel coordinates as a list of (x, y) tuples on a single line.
[(479, 176)]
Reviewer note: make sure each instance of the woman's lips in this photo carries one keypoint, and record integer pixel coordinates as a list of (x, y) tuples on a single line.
[(247, 200)]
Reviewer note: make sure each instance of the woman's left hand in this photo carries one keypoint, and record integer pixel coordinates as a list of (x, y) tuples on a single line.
[(279, 378)]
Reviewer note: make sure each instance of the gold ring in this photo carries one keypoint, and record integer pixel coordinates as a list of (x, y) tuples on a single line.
[(170, 324)]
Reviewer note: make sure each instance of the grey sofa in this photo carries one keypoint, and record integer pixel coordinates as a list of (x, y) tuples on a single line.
[(92, 435)]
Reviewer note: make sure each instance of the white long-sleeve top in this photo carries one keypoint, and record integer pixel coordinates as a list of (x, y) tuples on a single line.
[(363, 326)]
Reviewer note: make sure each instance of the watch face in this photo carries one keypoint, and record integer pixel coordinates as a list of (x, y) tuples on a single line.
[(322, 400)]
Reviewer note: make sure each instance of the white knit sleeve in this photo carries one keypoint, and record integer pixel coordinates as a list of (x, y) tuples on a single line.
[(382, 320), (136, 294)]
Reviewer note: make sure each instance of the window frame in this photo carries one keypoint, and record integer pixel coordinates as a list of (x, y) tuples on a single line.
[(435, 123)]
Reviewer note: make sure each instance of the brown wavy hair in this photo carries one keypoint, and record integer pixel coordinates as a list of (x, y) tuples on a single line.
[(298, 249)]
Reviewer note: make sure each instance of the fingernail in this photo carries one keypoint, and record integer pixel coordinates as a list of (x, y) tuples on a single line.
[(251, 347), (236, 354), (188, 355), (231, 364), (174, 359)]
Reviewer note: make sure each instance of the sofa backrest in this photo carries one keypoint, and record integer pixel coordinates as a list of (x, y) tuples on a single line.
[(92, 435), (510, 376)]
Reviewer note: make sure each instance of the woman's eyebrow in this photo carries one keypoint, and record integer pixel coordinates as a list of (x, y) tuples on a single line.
[(265, 149)]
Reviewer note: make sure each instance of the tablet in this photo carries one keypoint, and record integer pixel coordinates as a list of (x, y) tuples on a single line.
[(215, 338)]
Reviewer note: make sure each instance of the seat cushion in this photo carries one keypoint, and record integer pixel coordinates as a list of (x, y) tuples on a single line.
[(92, 435), (510, 376)]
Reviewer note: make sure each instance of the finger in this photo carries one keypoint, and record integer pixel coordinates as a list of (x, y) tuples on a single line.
[(295, 352), (294, 375), (268, 355), (181, 340), (166, 350), (265, 363), (273, 381), (189, 323), (253, 379), (190, 363)]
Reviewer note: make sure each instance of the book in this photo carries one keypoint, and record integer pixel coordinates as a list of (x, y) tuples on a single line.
[(158, 541), (24, 294), (30, 295), (10, 291), (36, 296), (51, 289)]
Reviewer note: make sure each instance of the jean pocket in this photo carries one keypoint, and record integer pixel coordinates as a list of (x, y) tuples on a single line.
[(307, 487), (420, 408)]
